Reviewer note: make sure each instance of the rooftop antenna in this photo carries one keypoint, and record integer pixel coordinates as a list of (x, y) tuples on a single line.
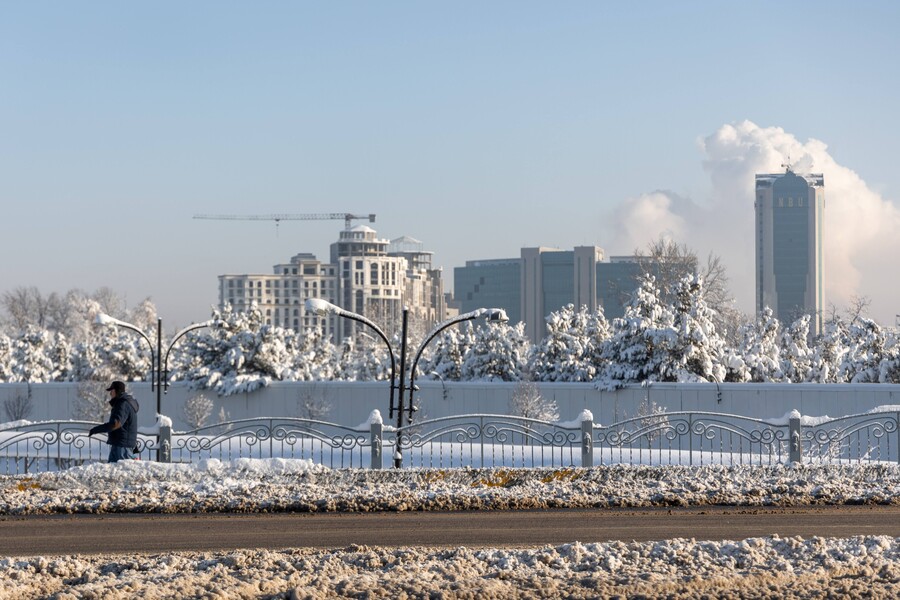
[(787, 165)]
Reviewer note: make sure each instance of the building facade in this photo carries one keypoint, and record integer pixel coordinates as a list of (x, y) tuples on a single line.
[(372, 277), (789, 262), (543, 280)]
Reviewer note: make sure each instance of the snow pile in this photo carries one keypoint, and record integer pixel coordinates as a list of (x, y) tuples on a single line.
[(255, 485), (755, 567)]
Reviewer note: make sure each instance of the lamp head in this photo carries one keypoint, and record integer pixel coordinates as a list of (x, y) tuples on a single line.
[(497, 315), (320, 307), (104, 319)]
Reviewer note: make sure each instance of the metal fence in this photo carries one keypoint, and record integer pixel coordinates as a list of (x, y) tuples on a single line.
[(483, 440)]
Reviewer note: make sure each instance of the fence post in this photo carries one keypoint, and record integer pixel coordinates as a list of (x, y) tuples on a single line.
[(796, 444), (587, 438), (376, 431), (165, 444)]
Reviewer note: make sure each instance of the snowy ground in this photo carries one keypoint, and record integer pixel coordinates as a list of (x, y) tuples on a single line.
[(759, 567)]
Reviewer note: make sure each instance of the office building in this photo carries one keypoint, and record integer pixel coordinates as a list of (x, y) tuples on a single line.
[(543, 280), (789, 263)]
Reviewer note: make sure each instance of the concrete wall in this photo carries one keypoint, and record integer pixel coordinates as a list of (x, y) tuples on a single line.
[(351, 403)]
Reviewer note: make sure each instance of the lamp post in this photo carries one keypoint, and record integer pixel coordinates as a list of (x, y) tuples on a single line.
[(159, 367), (491, 315)]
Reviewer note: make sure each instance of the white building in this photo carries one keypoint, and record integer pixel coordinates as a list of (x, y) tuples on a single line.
[(789, 266), (372, 277)]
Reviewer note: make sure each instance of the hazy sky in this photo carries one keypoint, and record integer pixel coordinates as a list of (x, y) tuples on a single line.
[(476, 127)]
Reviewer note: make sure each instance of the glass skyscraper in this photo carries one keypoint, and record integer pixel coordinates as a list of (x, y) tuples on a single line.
[(789, 265)]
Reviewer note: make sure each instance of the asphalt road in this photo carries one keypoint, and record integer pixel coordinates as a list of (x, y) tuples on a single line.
[(130, 533)]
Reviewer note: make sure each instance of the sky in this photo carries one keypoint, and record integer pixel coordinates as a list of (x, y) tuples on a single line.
[(477, 128)]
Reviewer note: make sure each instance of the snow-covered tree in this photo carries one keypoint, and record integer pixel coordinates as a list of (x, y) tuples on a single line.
[(314, 357), (828, 353), (33, 355), (6, 358), (570, 349), (796, 355), (497, 353), (697, 352), (760, 355), (865, 351), (368, 360), (890, 364), (239, 353), (641, 340), (445, 354)]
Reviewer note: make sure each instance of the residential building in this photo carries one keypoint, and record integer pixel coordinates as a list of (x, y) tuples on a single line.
[(366, 275)]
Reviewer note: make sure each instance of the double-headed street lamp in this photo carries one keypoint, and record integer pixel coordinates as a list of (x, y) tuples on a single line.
[(159, 362), (322, 307)]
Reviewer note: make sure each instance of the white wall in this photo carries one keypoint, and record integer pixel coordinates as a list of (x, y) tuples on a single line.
[(351, 403)]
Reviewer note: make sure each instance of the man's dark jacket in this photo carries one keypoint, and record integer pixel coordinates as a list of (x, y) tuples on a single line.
[(124, 410)]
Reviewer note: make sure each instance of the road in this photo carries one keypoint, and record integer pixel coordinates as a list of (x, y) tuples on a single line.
[(129, 533)]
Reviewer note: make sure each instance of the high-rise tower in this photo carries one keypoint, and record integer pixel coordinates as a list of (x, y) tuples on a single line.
[(789, 265)]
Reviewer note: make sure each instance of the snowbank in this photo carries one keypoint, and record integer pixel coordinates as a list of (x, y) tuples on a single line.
[(250, 485), (756, 567)]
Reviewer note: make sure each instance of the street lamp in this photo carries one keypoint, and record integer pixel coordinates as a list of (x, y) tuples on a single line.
[(491, 315)]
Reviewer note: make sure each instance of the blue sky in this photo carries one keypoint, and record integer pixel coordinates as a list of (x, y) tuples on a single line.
[(478, 128)]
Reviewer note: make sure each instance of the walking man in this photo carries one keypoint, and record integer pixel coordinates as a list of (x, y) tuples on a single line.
[(122, 425)]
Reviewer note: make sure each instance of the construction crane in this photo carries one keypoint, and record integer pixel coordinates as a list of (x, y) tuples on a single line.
[(347, 217)]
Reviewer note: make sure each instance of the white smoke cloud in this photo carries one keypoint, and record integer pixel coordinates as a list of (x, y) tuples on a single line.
[(861, 227)]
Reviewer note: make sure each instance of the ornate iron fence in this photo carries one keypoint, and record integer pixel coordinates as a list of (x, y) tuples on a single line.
[(57, 445), (333, 445), (484, 440)]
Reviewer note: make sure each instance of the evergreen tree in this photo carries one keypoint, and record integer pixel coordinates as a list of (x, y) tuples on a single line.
[(240, 353), (446, 353), (498, 352), (796, 355), (31, 356), (828, 353), (314, 357), (698, 352), (759, 351), (640, 341), (865, 351), (565, 352)]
